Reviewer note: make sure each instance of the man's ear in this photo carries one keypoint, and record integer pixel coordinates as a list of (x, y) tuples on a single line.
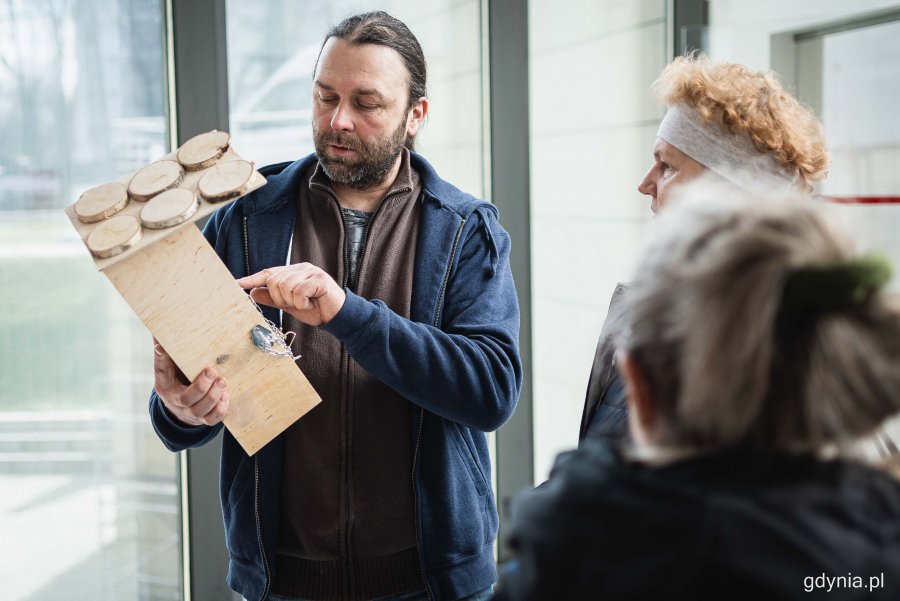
[(416, 116), (642, 412)]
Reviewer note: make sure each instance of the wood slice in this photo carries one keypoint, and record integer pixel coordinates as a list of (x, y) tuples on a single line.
[(114, 236), (225, 180), (155, 178), (169, 208), (101, 202), (204, 150)]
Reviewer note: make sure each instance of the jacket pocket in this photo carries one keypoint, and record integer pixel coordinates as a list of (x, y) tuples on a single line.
[(238, 512), (458, 516), (469, 458)]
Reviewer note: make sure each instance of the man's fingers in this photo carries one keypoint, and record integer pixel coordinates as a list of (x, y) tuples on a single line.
[(204, 401), (284, 291), (163, 368), (217, 413), (207, 404), (207, 383), (279, 289), (304, 290), (260, 277), (262, 297), (208, 411)]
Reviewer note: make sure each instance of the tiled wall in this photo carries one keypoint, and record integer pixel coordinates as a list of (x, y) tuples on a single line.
[(593, 125)]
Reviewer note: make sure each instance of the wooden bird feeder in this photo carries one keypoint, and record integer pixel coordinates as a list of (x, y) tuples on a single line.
[(141, 234)]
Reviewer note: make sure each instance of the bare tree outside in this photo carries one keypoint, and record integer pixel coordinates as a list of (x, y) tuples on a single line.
[(89, 503)]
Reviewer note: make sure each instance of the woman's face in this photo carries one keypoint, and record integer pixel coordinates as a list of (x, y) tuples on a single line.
[(670, 169)]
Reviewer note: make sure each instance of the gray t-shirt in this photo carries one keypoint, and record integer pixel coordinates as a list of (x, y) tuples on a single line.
[(355, 223)]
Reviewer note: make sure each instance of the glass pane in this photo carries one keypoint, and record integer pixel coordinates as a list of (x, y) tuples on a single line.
[(860, 87), (860, 84), (89, 498), (593, 124), (851, 78), (272, 50)]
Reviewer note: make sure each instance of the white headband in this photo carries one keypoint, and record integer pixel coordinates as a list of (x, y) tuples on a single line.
[(731, 156)]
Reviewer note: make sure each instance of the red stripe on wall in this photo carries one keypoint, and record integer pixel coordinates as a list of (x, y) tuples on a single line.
[(864, 200)]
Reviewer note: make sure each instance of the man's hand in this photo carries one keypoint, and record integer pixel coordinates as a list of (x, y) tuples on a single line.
[(203, 402), (302, 290)]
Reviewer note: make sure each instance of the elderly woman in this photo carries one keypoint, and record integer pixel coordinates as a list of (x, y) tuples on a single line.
[(732, 124), (756, 345)]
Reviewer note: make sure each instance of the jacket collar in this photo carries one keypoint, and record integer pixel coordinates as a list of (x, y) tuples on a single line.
[(284, 179)]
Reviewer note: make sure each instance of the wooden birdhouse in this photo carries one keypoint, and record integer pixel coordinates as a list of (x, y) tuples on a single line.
[(140, 231)]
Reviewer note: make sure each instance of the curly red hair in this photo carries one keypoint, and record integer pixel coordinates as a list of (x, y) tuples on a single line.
[(748, 102)]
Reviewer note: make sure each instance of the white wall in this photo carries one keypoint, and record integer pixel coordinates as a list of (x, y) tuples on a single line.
[(858, 82), (740, 30), (859, 77), (593, 125), (450, 35)]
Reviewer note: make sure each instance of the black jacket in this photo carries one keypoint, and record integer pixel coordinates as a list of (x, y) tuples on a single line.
[(726, 525), (605, 414)]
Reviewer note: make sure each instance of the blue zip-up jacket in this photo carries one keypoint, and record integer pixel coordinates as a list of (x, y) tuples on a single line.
[(456, 359)]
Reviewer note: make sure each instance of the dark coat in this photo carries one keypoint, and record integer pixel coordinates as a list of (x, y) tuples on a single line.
[(726, 525), (605, 414)]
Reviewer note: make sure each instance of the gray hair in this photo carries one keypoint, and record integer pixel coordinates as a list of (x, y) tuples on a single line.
[(724, 362)]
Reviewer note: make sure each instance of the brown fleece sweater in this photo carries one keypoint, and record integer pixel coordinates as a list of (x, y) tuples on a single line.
[(347, 508)]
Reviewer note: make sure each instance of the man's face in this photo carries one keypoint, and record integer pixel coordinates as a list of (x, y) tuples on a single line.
[(670, 169), (361, 115)]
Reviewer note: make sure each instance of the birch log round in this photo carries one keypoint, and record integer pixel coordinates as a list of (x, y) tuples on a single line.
[(203, 150), (114, 236), (169, 208), (155, 178), (225, 180), (101, 202)]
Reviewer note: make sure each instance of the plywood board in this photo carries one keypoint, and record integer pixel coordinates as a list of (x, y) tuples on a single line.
[(189, 300)]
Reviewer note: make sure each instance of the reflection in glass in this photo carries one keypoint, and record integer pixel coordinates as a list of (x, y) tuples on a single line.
[(272, 50), (89, 503), (860, 87)]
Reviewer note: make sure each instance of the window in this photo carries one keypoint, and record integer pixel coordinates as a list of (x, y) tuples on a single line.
[(89, 498), (272, 50), (593, 124)]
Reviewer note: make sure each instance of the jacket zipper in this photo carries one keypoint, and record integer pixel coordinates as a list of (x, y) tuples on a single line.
[(348, 583), (246, 248), (437, 319), (346, 573), (345, 363), (447, 273), (259, 540)]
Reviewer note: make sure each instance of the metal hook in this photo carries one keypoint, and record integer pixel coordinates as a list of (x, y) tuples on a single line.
[(273, 342)]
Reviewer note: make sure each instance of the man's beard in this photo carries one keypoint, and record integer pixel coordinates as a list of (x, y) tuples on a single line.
[(371, 164)]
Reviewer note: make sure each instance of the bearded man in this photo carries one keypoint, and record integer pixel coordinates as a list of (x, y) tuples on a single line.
[(399, 289)]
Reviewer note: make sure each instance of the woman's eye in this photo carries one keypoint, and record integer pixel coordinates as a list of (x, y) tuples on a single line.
[(327, 99), (665, 167)]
